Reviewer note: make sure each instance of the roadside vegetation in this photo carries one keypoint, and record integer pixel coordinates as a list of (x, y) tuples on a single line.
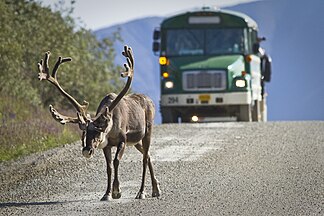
[(27, 31), (27, 129)]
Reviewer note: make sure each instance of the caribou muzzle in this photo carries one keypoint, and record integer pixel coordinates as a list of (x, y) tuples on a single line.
[(87, 151)]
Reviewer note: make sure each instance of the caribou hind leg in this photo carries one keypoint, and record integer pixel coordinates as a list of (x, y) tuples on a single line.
[(155, 184)]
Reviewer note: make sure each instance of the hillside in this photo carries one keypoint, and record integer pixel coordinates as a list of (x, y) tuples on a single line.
[(294, 40)]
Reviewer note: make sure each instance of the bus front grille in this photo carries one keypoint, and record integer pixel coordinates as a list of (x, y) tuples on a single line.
[(209, 80)]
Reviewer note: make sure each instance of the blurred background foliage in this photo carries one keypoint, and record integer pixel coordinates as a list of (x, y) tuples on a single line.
[(27, 31)]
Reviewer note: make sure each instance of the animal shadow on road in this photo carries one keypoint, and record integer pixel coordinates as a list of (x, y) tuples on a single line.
[(22, 204)]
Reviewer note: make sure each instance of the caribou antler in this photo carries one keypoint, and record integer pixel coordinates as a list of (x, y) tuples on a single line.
[(44, 74), (62, 118), (129, 72)]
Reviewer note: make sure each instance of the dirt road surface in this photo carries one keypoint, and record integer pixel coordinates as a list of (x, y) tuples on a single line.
[(203, 169)]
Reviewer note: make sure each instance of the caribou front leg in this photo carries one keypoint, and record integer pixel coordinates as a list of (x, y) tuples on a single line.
[(116, 194), (107, 152)]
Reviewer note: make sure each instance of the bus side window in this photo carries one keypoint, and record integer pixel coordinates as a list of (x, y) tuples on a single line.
[(247, 41)]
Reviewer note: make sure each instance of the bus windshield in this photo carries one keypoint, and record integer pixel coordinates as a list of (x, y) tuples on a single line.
[(181, 42)]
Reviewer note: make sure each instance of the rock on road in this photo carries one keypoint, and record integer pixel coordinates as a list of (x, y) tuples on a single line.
[(203, 169)]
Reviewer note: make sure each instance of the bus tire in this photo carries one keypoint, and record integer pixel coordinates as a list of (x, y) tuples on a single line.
[(244, 113), (185, 119), (256, 111), (169, 116), (264, 110)]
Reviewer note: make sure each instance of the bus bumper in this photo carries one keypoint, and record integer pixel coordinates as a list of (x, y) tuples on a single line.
[(212, 99)]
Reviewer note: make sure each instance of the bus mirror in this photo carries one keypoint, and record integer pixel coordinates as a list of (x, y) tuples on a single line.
[(267, 68), (260, 39), (156, 34), (156, 46), (256, 45)]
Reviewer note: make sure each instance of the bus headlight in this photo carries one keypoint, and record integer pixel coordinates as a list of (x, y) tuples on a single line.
[(240, 83), (168, 84), (194, 118)]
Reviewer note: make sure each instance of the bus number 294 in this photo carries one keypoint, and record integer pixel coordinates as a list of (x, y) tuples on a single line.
[(173, 100)]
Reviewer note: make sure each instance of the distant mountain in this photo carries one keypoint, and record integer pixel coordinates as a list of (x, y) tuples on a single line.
[(295, 40)]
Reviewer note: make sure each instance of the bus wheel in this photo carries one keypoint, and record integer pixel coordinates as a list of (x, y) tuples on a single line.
[(185, 119), (256, 112), (244, 113), (264, 111), (169, 116)]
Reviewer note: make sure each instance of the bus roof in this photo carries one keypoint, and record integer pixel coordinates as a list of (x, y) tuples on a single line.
[(227, 18)]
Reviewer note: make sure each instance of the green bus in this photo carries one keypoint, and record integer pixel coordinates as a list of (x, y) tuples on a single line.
[(212, 67)]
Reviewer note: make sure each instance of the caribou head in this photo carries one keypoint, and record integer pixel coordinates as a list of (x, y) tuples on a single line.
[(96, 131)]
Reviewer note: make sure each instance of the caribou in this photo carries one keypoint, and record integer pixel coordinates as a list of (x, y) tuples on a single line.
[(121, 120)]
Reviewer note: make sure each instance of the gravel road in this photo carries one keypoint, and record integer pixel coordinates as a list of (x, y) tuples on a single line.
[(203, 169)]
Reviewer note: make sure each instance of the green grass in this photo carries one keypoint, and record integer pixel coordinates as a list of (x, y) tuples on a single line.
[(25, 129)]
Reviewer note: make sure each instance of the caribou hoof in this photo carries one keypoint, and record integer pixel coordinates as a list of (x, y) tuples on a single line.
[(156, 194), (116, 195), (106, 197), (140, 195)]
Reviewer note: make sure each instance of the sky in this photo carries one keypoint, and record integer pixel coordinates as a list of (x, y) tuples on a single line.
[(96, 14)]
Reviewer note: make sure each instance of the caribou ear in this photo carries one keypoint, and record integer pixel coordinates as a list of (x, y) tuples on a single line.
[(104, 114), (103, 118), (107, 114), (82, 122)]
